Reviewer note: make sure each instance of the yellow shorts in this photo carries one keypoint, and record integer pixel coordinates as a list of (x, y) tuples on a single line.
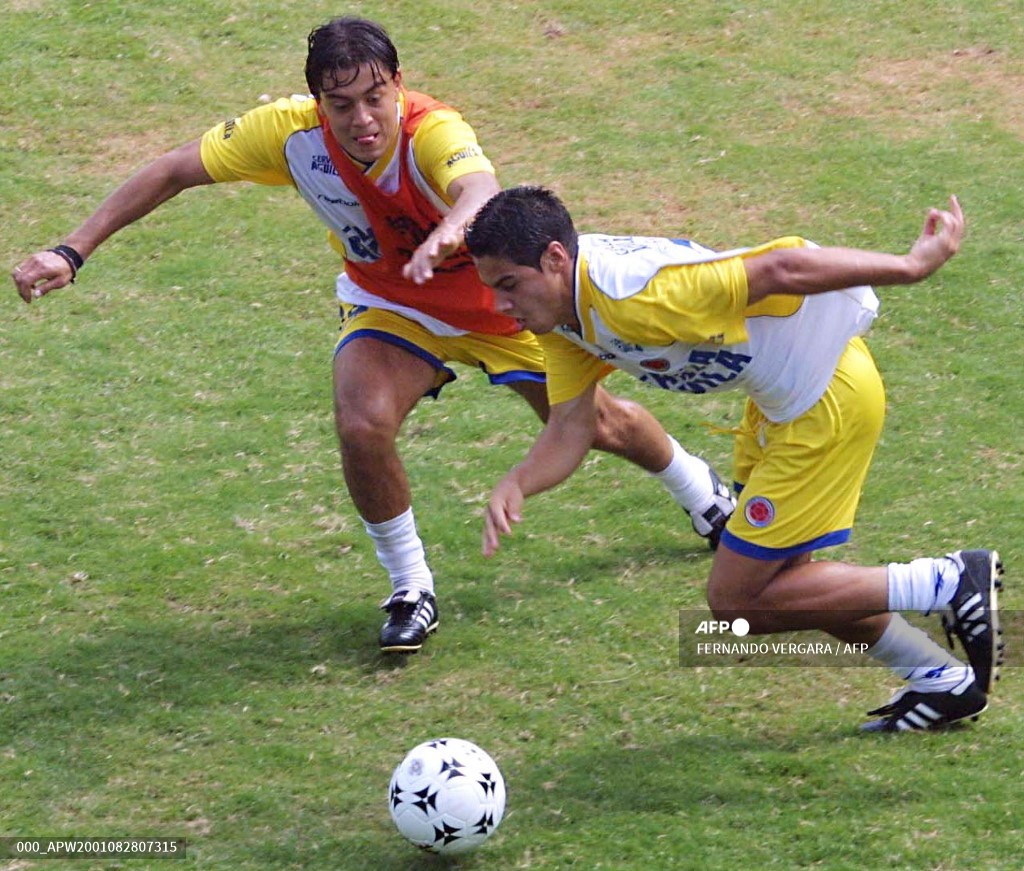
[(504, 359), (800, 482)]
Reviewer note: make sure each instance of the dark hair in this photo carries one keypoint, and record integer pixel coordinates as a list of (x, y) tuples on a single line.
[(518, 224), (338, 48)]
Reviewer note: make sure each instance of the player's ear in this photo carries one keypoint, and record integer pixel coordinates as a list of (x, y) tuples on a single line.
[(554, 257)]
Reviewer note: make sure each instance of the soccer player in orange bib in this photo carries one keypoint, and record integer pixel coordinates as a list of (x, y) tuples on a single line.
[(395, 176), (783, 323)]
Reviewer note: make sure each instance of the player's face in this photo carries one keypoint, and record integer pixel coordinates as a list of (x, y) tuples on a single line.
[(539, 299), (363, 114)]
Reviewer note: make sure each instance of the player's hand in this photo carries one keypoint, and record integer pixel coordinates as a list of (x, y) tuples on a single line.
[(940, 239), (504, 509), (438, 247), (41, 273)]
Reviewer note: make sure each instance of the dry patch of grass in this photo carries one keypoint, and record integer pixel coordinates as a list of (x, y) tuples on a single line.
[(918, 96)]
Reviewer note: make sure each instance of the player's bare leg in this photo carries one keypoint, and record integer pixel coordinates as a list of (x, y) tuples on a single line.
[(795, 593), (376, 385), (628, 430), (855, 603)]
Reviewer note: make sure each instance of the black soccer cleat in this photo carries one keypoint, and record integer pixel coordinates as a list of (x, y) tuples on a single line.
[(910, 710), (412, 616), (709, 524), (973, 614)]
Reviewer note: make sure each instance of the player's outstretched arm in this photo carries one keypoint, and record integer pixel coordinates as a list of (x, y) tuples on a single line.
[(817, 270), (557, 453), (152, 185), (468, 194)]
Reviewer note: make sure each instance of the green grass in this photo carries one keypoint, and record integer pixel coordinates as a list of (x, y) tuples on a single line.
[(187, 602)]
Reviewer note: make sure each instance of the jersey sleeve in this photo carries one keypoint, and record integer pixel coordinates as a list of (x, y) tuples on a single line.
[(696, 303), (775, 304), (445, 148), (692, 303), (570, 369), (251, 146)]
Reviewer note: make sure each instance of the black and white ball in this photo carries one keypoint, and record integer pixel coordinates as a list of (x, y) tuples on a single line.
[(447, 796)]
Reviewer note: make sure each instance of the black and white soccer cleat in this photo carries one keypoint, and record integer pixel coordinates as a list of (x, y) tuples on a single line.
[(910, 710), (973, 614), (412, 616), (710, 523)]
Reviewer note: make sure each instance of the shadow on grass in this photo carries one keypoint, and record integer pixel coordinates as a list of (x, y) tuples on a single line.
[(102, 670), (182, 661), (732, 769)]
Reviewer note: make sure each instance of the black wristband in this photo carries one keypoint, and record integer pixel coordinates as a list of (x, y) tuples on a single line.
[(76, 259), (71, 256)]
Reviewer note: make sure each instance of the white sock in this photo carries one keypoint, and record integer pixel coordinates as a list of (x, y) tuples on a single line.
[(915, 657), (922, 584), (688, 479), (401, 552)]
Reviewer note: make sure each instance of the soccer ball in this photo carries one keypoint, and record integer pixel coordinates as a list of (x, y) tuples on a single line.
[(447, 796)]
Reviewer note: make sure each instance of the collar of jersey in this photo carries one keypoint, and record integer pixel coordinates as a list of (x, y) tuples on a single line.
[(577, 288)]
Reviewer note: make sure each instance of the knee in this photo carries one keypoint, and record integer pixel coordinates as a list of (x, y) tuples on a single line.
[(364, 421), (617, 421), (724, 603), (729, 605)]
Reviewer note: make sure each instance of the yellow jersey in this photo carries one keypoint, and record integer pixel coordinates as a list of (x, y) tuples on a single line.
[(675, 314)]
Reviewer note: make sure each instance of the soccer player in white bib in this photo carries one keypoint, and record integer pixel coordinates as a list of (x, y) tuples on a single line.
[(394, 175), (783, 323)]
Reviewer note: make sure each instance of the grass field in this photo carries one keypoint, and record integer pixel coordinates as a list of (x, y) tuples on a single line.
[(187, 602)]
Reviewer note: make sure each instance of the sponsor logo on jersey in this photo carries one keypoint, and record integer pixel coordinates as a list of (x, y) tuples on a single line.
[(625, 347), (322, 163), (704, 370), (620, 244), (361, 242), (461, 155), (759, 511), (229, 128), (337, 201), (657, 364)]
